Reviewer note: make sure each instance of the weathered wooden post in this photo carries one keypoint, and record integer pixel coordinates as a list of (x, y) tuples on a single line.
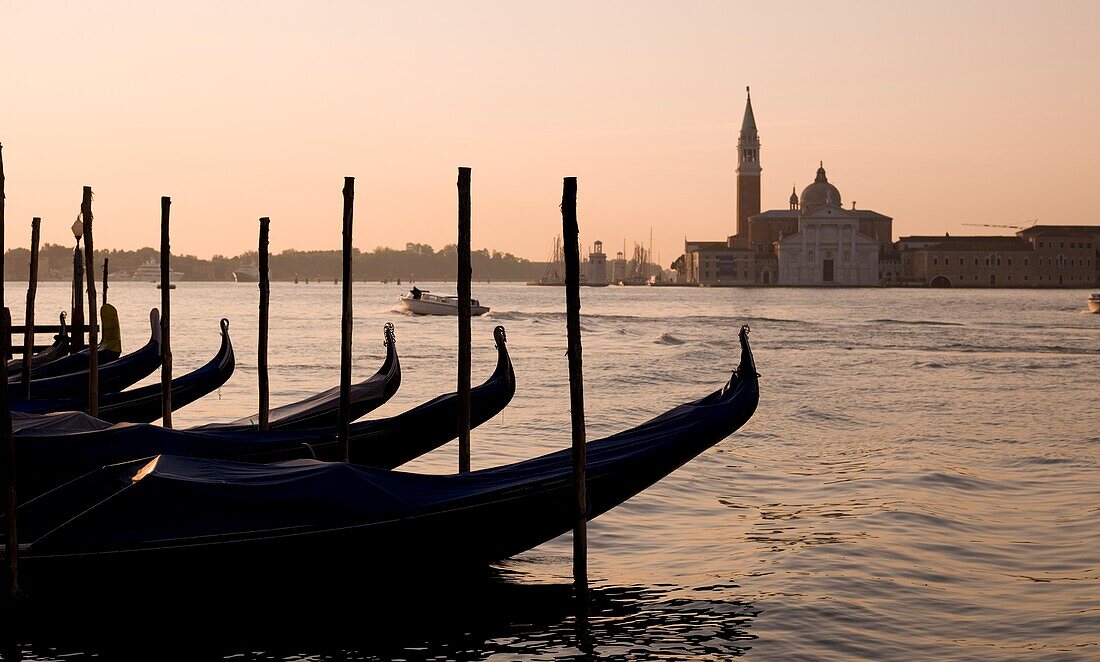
[(6, 439), (261, 344), (465, 273), (165, 316), (93, 309), (77, 342), (570, 240), (106, 264), (28, 318), (346, 323)]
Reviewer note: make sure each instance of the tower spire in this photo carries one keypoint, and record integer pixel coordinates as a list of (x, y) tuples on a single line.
[(748, 123), (748, 168)]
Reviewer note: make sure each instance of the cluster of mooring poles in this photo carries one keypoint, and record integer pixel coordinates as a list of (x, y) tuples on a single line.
[(86, 268)]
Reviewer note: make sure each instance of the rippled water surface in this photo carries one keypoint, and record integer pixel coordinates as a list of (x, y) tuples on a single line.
[(921, 477)]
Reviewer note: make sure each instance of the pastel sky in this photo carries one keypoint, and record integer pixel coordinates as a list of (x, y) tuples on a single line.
[(935, 113)]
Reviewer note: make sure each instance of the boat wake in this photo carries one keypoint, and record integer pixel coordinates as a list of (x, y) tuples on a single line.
[(667, 338)]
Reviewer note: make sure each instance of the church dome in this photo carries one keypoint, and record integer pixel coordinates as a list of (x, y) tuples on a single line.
[(820, 193)]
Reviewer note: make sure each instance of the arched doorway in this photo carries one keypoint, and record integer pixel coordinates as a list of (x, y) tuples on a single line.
[(767, 277), (941, 281)]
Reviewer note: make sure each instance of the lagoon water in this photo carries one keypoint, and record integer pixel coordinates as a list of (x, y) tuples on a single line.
[(922, 477)]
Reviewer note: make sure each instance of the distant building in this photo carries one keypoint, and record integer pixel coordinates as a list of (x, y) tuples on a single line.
[(597, 265), (1040, 256)]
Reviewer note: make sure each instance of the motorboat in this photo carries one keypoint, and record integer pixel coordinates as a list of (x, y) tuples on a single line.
[(1094, 302), (423, 302)]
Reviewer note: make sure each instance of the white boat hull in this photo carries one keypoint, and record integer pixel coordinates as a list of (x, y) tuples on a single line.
[(1094, 306), (429, 307)]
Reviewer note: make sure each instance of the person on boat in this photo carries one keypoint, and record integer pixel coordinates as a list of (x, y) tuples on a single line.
[(415, 292)]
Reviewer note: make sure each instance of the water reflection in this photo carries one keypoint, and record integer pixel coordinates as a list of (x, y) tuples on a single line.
[(498, 615)]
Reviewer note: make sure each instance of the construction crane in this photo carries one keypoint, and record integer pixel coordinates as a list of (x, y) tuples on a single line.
[(1032, 221)]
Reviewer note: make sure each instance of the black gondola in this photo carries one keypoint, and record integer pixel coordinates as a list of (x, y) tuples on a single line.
[(51, 450), (59, 349), (322, 410), (142, 405), (110, 349), (113, 377), (213, 522)]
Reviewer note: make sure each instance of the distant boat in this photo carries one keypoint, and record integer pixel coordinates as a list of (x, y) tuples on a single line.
[(171, 286), (422, 302), (1094, 302), (150, 273), (247, 273)]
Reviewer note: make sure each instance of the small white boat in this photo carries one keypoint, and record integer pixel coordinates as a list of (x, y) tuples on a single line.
[(1094, 302), (423, 302)]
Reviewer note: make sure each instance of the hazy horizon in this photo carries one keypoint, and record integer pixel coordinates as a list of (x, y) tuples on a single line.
[(938, 115)]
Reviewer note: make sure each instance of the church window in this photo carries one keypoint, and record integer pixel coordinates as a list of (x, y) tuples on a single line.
[(987, 261), (1025, 261), (1061, 244), (998, 262), (935, 260), (1025, 277), (1010, 262), (975, 262), (960, 261)]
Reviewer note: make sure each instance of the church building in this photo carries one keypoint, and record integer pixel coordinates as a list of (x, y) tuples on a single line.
[(815, 241)]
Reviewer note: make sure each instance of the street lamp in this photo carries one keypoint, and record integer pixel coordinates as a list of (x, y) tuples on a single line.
[(78, 230)]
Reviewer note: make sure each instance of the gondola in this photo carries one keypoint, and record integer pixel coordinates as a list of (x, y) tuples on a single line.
[(322, 410), (208, 522), (113, 377), (110, 349), (57, 350), (53, 449), (142, 405)]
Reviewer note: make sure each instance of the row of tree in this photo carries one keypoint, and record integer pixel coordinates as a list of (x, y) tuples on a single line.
[(416, 262)]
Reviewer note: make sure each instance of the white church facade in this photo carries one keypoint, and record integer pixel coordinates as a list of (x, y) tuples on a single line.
[(828, 248)]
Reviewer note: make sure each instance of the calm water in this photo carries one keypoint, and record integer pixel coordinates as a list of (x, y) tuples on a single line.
[(922, 476)]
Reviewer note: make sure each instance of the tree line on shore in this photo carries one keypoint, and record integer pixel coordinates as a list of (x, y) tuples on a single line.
[(415, 262)]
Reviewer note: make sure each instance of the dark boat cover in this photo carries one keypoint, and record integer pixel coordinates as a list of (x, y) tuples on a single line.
[(230, 517), (142, 405), (54, 448)]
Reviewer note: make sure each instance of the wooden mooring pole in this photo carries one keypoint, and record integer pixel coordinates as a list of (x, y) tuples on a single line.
[(465, 273), (93, 309), (571, 245), (346, 323), (261, 342), (77, 337), (165, 315), (106, 264), (28, 317), (7, 442)]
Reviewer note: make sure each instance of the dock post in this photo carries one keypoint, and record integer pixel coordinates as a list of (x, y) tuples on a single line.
[(346, 324), (570, 241), (106, 264), (261, 342), (77, 336), (28, 318), (165, 315), (6, 440), (465, 273), (93, 309)]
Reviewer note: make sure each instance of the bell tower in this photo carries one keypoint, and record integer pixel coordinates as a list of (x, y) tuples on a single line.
[(748, 169)]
